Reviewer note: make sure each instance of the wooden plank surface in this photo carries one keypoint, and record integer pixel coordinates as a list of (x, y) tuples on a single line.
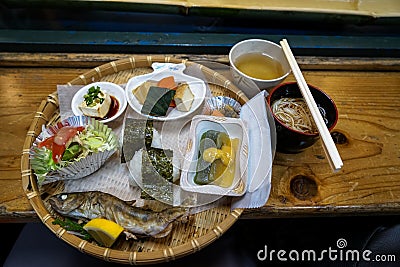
[(367, 135), (78, 60)]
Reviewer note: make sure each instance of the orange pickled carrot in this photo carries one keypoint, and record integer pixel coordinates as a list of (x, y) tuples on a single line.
[(217, 113), (167, 82)]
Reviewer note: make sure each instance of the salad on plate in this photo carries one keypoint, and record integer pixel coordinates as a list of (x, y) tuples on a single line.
[(72, 149)]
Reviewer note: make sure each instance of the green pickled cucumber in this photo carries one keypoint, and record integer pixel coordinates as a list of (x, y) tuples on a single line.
[(207, 172)]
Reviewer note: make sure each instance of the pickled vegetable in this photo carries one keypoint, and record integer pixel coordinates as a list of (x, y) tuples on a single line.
[(226, 178), (216, 159), (213, 153), (223, 139)]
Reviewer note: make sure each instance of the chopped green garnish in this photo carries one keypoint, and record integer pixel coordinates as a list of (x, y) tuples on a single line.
[(74, 228), (92, 97)]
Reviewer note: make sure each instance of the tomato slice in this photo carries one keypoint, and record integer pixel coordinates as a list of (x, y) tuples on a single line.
[(80, 128), (58, 151), (48, 142), (58, 141), (64, 135)]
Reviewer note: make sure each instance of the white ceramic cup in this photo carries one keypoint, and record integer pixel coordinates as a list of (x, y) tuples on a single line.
[(269, 48)]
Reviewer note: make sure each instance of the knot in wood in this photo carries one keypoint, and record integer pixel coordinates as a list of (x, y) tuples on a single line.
[(303, 187), (339, 138)]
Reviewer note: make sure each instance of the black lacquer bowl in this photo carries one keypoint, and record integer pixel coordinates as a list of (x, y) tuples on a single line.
[(290, 140)]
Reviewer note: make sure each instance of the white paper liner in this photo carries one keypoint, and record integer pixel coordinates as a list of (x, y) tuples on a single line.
[(85, 166), (113, 177), (262, 144), (174, 136)]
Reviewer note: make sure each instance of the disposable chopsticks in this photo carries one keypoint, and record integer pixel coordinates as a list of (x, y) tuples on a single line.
[(327, 142)]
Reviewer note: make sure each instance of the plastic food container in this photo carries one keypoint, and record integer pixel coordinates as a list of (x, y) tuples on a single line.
[(235, 129)]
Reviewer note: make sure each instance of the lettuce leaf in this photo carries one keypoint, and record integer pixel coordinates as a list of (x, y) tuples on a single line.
[(84, 143)]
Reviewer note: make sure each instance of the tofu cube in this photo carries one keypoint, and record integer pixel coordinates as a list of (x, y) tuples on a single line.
[(183, 97), (98, 110)]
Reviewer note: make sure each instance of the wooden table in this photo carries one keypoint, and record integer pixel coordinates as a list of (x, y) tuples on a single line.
[(367, 94)]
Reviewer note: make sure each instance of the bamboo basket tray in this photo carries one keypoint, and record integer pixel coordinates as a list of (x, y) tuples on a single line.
[(186, 238)]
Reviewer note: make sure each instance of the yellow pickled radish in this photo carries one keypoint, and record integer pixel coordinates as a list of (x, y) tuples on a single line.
[(103, 231), (210, 154), (224, 154), (227, 154), (227, 177)]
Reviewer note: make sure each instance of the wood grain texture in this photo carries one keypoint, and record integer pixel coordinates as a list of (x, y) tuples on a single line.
[(23, 89), (369, 125), (302, 184), (79, 60)]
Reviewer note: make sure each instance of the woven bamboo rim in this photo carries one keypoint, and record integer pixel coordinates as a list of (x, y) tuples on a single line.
[(186, 238)]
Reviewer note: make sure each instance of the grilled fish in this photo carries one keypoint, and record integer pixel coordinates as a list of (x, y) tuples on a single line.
[(137, 221)]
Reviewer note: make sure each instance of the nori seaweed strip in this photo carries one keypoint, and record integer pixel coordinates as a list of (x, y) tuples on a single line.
[(162, 162), (157, 176), (137, 134), (157, 168), (148, 133)]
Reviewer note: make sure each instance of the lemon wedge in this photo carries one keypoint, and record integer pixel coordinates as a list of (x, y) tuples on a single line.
[(103, 231)]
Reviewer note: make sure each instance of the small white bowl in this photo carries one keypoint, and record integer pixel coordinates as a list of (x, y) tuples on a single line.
[(110, 88), (162, 70), (235, 129), (269, 48)]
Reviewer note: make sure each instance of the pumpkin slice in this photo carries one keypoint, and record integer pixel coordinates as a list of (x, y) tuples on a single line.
[(157, 101)]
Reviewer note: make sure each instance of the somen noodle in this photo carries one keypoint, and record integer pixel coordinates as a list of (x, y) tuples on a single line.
[(294, 113)]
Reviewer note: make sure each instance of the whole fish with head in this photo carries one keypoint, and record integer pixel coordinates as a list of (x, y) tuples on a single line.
[(137, 221)]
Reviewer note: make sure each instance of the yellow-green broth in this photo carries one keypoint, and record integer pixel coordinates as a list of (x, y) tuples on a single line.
[(259, 66)]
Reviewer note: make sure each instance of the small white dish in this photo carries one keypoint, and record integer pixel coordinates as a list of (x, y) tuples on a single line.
[(235, 129), (112, 89), (162, 70)]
